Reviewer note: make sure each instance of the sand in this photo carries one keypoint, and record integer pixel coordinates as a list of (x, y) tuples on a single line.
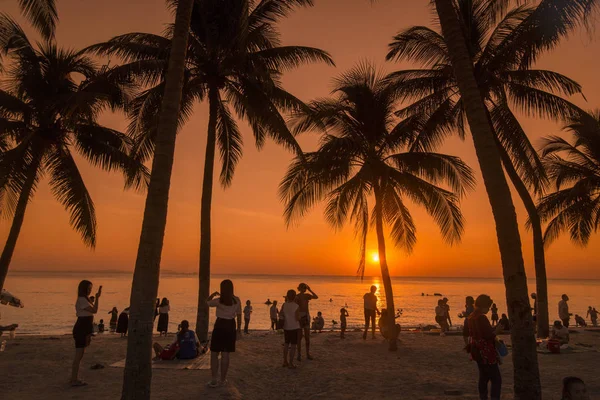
[(424, 367)]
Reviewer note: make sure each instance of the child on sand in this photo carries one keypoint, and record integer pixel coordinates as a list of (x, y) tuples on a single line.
[(290, 312), (560, 332), (504, 323), (247, 312), (114, 315), (574, 389), (343, 315), (318, 323), (579, 321), (274, 313), (101, 326), (494, 311)]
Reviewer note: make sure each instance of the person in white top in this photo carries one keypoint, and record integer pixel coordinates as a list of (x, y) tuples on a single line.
[(224, 332), (290, 312), (163, 318), (84, 327)]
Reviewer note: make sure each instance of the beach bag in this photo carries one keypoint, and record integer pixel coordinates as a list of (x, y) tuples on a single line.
[(501, 348), (554, 346)]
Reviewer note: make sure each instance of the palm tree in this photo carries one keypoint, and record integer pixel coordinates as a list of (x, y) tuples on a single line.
[(45, 114), (575, 172), (526, 371), (138, 366), (41, 14), (235, 60), (505, 83), (361, 155)]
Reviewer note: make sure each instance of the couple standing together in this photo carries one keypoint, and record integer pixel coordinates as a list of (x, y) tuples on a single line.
[(296, 323)]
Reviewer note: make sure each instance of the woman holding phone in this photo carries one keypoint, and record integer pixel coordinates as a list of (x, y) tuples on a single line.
[(84, 327)]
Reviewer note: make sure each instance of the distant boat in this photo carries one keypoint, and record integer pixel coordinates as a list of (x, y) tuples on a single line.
[(437, 294)]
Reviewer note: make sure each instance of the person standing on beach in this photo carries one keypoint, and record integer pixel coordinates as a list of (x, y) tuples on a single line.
[(494, 315), (563, 310), (441, 317), (302, 299), (114, 315), (447, 310), (370, 311), (163, 317), (247, 313), (290, 313), (274, 313), (156, 306), (343, 315), (593, 314), (482, 348), (84, 327), (222, 342), (123, 322)]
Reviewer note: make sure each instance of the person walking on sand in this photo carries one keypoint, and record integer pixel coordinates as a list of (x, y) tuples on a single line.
[(343, 325), (163, 317), (494, 314), (302, 299), (563, 310), (371, 310), (247, 313), (229, 307), (114, 316), (274, 313), (84, 327), (290, 313), (482, 348)]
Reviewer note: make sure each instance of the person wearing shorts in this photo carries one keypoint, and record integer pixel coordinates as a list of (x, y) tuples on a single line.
[(224, 332), (84, 327), (302, 300), (290, 311), (370, 311)]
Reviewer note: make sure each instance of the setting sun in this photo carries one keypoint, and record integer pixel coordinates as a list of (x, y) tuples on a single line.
[(375, 257)]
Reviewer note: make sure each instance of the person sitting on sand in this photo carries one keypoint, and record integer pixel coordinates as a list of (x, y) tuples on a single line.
[(384, 325), (290, 313), (343, 325), (114, 316), (504, 323), (370, 311), (579, 321), (186, 345), (274, 313), (440, 317), (494, 311), (318, 323), (101, 326), (574, 389), (560, 332)]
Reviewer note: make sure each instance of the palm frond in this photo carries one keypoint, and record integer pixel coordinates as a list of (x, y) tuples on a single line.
[(420, 44), (42, 14), (230, 142)]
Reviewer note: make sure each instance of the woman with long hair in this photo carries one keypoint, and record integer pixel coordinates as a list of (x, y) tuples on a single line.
[(163, 318), (114, 315), (84, 327), (224, 332), (482, 347)]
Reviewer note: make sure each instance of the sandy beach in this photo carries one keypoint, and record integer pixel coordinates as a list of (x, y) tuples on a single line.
[(425, 366)]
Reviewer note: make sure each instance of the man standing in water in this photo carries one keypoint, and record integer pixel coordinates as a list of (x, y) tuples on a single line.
[(370, 310), (563, 310), (302, 299)]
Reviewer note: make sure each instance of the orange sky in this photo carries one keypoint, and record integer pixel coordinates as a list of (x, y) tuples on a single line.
[(249, 235)]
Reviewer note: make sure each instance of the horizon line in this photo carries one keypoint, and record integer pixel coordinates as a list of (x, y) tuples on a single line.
[(171, 272)]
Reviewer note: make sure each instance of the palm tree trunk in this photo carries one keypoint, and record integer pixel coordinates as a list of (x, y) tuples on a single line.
[(15, 228), (543, 320), (524, 355), (385, 272), (205, 214), (138, 367)]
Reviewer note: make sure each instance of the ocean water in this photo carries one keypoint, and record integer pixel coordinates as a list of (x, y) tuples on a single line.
[(49, 298)]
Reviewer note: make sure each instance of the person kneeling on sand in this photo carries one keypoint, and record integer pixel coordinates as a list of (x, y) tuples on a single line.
[(560, 333), (318, 323), (579, 321), (384, 324), (186, 345), (574, 389)]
